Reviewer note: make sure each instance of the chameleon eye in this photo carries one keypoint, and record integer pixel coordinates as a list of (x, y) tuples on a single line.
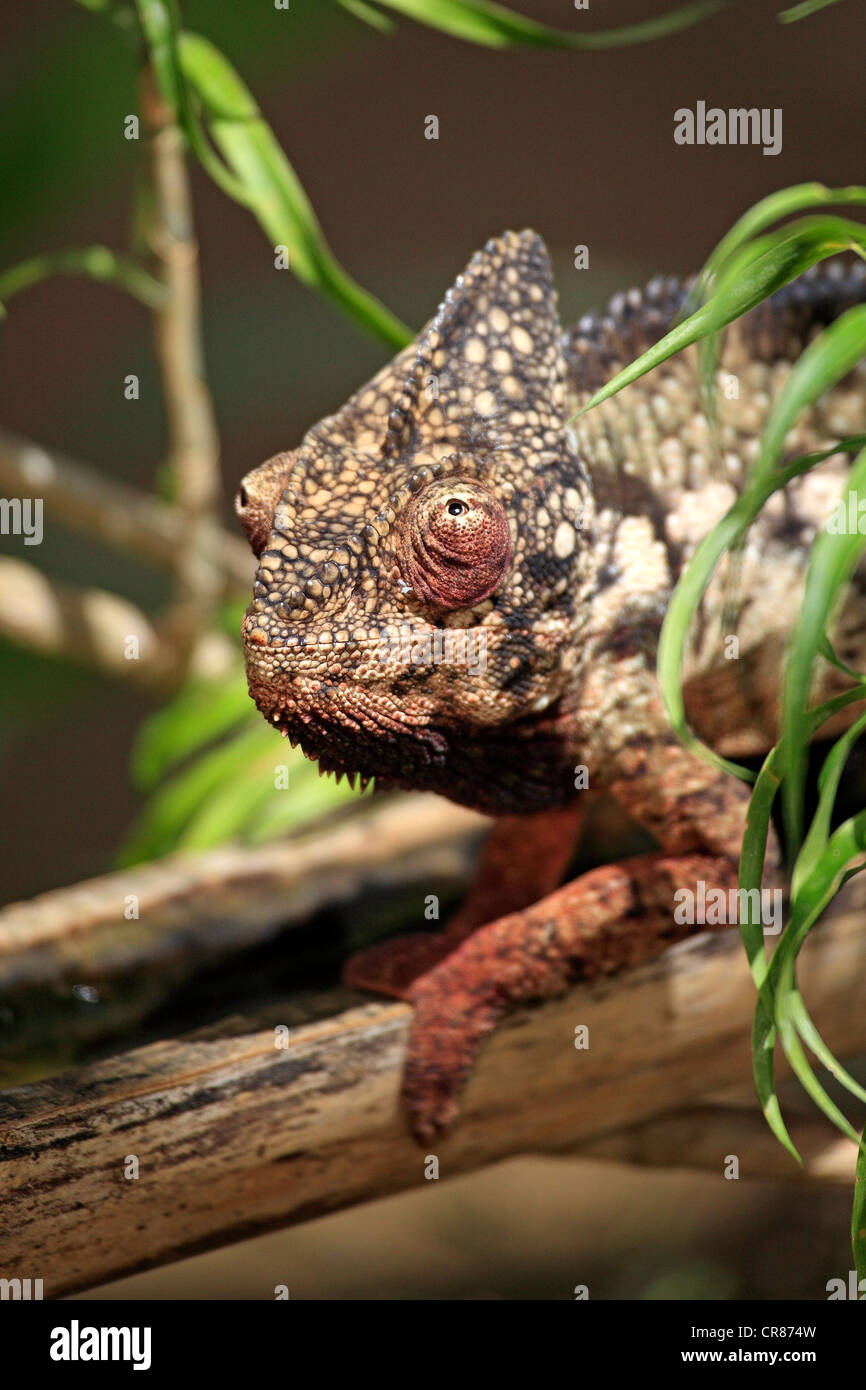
[(454, 543)]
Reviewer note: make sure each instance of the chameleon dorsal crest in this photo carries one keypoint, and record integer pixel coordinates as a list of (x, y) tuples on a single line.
[(478, 398), (488, 369)]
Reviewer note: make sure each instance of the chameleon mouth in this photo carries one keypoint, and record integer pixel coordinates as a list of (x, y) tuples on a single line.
[(350, 732)]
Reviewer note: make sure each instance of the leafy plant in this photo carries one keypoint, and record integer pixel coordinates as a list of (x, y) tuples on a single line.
[(750, 263)]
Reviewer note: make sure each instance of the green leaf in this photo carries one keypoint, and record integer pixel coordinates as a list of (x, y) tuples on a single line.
[(813, 1040), (749, 280), (754, 846), (228, 789), (233, 802), (369, 15), (290, 810), (272, 190), (694, 580), (832, 560), (815, 843), (763, 1049), (194, 718), (805, 8), (482, 22), (766, 973), (790, 1017), (735, 243), (159, 25), (790, 1040), (751, 872), (176, 802), (690, 589), (826, 650), (767, 211)]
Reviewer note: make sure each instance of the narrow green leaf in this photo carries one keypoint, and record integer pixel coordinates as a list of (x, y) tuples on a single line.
[(482, 22), (816, 840), (763, 1046), (271, 187), (754, 846), (832, 560), (826, 650), (695, 579), (767, 211), (813, 1040), (690, 589), (805, 8), (160, 26), (201, 713), (751, 871), (369, 15), (790, 1040), (753, 281), (232, 804), (299, 806), (171, 808)]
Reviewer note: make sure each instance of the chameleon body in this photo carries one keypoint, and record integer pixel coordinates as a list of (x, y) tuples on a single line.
[(461, 588)]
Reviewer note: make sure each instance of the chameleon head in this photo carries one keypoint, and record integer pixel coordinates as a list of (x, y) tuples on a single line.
[(423, 552)]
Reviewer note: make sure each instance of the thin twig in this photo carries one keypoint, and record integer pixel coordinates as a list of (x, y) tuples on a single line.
[(96, 261), (193, 455), (98, 629), (79, 496)]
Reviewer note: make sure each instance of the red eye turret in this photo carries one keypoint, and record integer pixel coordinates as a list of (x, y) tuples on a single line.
[(454, 545)]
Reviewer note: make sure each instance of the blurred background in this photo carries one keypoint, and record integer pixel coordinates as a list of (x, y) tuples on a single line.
[(578, 145)]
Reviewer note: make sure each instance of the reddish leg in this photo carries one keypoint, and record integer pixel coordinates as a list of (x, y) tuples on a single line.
[(612, 917), (609, 918), (523, 859)]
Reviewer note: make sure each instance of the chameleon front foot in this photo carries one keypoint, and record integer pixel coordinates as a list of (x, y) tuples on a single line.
[(612, 917), (451, 1018), (392, 967)]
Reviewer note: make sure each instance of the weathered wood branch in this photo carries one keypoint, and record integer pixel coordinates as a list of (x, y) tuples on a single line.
[(233, 1133), (231, 897)]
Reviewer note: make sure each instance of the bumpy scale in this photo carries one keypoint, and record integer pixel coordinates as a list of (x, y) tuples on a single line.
[(452, 497)]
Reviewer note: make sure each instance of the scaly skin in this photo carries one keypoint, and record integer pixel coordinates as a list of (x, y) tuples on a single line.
[(451, 498)]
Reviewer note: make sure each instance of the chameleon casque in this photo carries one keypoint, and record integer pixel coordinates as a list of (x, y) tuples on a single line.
[(451, 494)]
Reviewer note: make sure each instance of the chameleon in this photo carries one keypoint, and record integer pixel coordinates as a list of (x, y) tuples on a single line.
[(460, 589)]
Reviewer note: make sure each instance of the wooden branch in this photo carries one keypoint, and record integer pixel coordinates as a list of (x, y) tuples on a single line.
[(81, 497), (232, 1134), (208, 904)]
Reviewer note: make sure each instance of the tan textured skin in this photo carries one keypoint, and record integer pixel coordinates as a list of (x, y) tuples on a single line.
[(581, 528)]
